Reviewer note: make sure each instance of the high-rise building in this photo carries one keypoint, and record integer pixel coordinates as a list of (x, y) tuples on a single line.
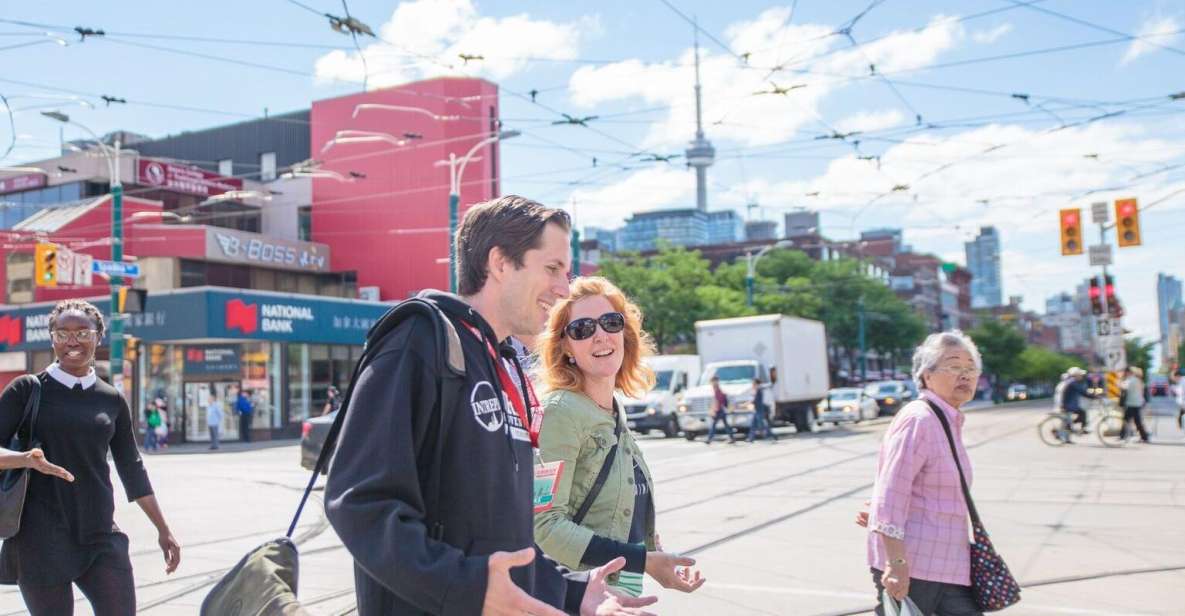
[(1063, 313), (724, 227), (802, 222), (606, 238), (648, 230), (760, 230), (1170, 311), (983, 259)]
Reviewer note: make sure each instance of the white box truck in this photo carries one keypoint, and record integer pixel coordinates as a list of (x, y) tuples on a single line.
[(788, 354), (657, 409)]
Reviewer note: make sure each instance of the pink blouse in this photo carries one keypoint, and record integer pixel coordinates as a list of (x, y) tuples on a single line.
[(917, 496)]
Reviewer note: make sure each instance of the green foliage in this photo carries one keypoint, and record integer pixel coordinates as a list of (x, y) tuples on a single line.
[(1041, 365), (1001, 346), (1139, 353), (676, 288)]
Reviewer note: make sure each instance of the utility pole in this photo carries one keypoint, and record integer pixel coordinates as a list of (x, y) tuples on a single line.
[(860, 319)]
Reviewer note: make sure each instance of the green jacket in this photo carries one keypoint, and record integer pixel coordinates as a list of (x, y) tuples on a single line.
[(580, 433)]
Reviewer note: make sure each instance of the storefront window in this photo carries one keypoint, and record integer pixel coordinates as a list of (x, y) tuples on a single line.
[(312, 368), (299, 386)]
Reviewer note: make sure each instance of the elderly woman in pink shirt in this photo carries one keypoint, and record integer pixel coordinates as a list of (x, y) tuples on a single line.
[(919, 533)]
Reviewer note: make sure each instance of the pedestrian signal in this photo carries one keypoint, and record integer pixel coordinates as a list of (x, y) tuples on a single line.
[(45, 265), (1071, 224), (1127, 222)]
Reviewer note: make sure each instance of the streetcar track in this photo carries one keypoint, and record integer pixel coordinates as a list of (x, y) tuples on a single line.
[(816, 505)]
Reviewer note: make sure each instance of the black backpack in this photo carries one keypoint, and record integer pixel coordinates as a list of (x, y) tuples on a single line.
[(264, 582)]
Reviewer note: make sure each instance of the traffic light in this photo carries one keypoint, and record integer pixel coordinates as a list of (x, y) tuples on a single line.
[(1113, 306), (1071, 224), (132, 300), (1127, 222), (1096, 298), (45, 265)]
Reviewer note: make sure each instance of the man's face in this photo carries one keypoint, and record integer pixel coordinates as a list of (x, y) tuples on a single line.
[(528, 293)]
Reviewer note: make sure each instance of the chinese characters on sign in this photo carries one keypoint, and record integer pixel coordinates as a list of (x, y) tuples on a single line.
[(184, 178)]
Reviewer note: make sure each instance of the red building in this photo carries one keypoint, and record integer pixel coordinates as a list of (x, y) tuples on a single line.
[(388, 218)]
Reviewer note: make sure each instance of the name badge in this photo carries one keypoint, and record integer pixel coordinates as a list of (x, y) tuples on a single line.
[(547, 481)]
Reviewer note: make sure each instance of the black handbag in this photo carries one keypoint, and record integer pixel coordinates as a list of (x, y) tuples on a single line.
[(14, 482), (992, 583)]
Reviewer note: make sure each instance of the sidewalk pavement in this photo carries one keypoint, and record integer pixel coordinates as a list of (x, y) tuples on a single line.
[(226, 447)]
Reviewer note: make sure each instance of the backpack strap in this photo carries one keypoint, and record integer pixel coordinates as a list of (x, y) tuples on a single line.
[(452, 359)]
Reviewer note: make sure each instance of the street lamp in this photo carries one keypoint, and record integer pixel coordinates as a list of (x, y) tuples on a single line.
[(112, 156), (456, 167), (751, 274), (361, 136), (173, 215)]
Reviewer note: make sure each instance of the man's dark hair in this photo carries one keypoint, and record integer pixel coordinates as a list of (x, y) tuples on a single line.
[(78, 305), (512, 224)]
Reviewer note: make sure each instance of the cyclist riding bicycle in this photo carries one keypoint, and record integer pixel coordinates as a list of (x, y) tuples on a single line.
[(1071, 398)]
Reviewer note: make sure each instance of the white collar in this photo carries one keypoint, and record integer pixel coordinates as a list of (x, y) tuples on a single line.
[(69, 380)]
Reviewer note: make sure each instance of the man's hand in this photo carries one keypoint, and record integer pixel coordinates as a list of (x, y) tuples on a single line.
[(503, 596), (35, 459), (600, 601), (664, 568)]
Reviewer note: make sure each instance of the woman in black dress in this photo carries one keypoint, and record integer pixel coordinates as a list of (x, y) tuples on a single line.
[(67, 533)]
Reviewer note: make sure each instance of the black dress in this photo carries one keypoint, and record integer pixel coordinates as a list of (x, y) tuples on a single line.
[(66, 526)]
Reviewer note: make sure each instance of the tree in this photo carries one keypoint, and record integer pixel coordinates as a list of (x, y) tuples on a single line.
[(1001, 346), (1041, 365), (1139, 353), (666, 288)]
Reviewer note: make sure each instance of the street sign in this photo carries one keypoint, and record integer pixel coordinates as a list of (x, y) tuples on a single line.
[(1109, 343), (1100, 213), (1107, 327), (116, 268), (1100, 255)]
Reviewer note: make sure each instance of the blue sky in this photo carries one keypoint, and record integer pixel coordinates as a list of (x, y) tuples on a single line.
[(979, 155)]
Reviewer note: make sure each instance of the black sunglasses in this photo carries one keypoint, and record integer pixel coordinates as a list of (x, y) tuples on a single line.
[(582, 329)]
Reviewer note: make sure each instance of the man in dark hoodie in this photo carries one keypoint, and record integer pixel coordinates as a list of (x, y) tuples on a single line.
[(512, 265)]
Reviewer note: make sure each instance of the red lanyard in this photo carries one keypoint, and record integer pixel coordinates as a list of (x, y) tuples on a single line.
[(512, 391)]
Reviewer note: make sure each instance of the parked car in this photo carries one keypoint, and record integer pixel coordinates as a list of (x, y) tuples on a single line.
[(1158, 385), (847, 404), (1017, 391), (312, 438), (890, 396)]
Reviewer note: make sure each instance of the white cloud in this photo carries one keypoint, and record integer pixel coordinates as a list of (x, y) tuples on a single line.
[(439, 31), (641, 191), (777, 51), (987, 37), (867, 121), (1155, 31)]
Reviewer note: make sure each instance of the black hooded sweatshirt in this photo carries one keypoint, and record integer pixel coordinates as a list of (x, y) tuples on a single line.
[(376, 493)]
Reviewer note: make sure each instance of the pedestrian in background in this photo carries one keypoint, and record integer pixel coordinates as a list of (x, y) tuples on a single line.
[(162, 431), (603, 503), (918, 540), (761, 413), (246, 410), (214, 417), (719, 411), (1133, 399), (1180, 400), (67, 533), (151, 423), (333, 401)]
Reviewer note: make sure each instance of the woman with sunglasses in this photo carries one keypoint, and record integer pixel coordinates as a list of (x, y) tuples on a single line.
[(67, 533), (602, 505)]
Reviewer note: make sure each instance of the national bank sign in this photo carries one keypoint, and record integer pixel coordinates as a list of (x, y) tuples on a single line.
[(287, 318)]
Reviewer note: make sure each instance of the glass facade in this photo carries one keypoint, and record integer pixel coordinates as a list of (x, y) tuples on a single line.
[(312, 368), (15, 207)]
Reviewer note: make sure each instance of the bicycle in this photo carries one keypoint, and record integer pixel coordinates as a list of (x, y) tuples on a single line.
[(1055, 429), (1110, 426)]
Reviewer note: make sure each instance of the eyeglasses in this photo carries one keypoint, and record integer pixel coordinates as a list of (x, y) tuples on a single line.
[(61, 336), (959, 372), (582, 329)]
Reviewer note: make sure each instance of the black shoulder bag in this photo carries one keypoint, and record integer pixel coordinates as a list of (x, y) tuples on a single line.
[(605, 468), (991, 581), (264, 582), (14, 482)]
